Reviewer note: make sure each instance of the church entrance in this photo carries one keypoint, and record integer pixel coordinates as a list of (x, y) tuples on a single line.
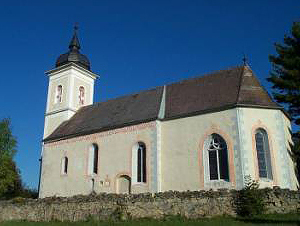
[(123, 184)]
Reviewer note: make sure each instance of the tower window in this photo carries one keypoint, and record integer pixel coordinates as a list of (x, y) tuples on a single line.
[(81, 95), (263, 154), (58, 94)]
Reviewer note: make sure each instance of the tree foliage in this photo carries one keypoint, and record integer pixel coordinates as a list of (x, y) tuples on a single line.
[(10, 180), (8, 143), (9, 174), (285, 77), (249, 201), (285, 74)]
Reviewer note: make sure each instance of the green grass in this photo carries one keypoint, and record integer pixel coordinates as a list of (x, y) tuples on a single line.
[(176, 221)]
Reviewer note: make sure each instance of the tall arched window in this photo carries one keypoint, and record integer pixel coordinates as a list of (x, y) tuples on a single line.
[(58, 94), (141, 162), (64, 165), (95, 166), (93, 159), (263, 154), (218, 158), (81, 95)]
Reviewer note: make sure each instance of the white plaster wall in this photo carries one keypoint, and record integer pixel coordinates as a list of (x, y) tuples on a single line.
[(70, 78), (115, 149), (52, 121), (181, 149), (175, 159), (183, 163), (88, 95), (81, 79), (288, 139), (275, 124), (64, 81)]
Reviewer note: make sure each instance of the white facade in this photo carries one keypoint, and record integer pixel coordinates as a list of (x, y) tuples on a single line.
[(65, 95), (176, 156)]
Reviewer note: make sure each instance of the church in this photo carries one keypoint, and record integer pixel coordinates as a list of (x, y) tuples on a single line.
[(208, 132)]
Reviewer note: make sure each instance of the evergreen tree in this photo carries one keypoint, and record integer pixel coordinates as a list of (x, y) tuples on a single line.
[(9, 174), (285, 75)]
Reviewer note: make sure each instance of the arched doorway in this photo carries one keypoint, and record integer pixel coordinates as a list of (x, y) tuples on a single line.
[(123, 184)]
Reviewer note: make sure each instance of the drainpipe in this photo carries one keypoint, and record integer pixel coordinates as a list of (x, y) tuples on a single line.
[(40, 174), (93, 185)]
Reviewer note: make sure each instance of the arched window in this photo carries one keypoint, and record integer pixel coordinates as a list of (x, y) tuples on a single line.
[(93, 159), (81, 95), (263, 154), (95, 165), (58, 94), (218, 158), (64, 166), (141, 162)]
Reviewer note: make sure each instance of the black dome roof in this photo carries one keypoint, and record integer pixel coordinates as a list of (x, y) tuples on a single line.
[(73, 55)]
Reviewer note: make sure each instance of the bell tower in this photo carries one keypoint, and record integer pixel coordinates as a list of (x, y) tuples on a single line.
[(71, 86)]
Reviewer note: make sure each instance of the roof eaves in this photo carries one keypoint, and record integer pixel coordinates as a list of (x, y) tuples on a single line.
[(223, 108), (201, 112), (58, 138), (278, 107)]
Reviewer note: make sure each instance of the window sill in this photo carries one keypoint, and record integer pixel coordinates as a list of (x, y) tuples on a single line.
[(265, 183), (216, 184), (265, 180), (139, 183), (92, 175)]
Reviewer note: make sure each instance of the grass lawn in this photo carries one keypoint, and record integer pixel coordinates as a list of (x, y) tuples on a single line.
[(263, 221)]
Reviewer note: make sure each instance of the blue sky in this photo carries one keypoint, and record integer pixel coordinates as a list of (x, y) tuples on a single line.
[(132, 45)]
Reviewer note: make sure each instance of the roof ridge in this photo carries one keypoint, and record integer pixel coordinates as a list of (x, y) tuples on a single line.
[(266, 91), (204, 75), (240, 85), (244, 85)]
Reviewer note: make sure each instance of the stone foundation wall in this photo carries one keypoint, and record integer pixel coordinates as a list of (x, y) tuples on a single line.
[(121, 207)]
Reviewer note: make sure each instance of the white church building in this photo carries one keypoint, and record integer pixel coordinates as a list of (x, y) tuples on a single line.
[(207, 132)]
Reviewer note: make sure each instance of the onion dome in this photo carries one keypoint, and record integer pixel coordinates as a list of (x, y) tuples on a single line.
[(73, 55)]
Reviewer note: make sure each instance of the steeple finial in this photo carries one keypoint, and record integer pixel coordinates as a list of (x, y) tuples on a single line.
[(74, 44), (245, 61), (73, 55), (76, 26)]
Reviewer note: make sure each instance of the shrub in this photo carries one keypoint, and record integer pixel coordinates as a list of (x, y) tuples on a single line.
[(249, 200)]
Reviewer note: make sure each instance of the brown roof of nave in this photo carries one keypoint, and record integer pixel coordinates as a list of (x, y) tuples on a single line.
[(218, 91)]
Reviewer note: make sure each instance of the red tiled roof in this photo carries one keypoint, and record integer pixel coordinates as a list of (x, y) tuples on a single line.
[(221, 90)]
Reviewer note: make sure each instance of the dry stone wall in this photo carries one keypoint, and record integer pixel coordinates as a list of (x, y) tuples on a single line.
[(159, 205)]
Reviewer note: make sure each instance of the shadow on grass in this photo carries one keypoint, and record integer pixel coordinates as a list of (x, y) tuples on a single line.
[(272, 219), (264, 220)]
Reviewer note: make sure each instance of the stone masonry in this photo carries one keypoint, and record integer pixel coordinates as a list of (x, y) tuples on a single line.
[(189, 204)]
